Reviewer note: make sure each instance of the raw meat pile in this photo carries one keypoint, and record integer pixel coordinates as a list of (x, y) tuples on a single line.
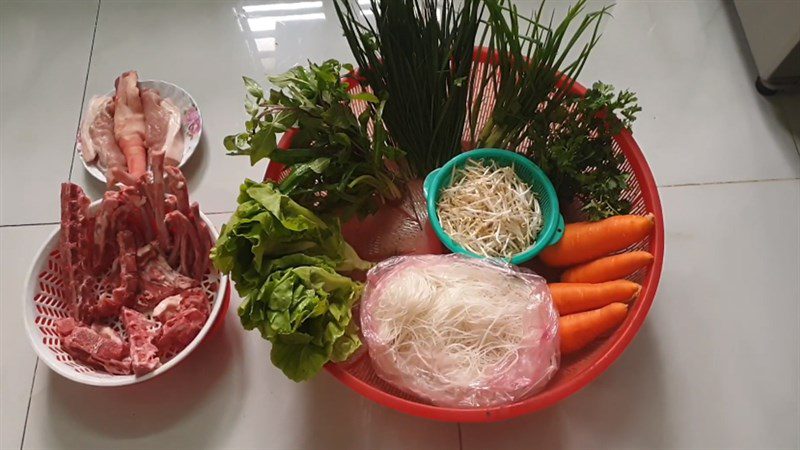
[(138, 258), (122, 131)]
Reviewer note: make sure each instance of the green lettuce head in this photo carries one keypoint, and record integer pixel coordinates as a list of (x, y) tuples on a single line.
[(269, 225), (304, 309)]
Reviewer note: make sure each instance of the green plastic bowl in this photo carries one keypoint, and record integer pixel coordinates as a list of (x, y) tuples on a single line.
[(527, 171)]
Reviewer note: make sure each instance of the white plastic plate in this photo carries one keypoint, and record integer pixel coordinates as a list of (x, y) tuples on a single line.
[(191, 123)]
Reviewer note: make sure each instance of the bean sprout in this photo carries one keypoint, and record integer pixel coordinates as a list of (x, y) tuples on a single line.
[(489, 210)]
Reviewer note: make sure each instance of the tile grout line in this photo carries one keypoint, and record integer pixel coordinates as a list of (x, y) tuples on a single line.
[(33, 224), (30, 397), (709, 183), (717, 183), (85, 86), (69, 177)]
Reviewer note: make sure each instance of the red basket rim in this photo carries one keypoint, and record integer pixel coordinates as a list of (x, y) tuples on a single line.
[(548, 397)]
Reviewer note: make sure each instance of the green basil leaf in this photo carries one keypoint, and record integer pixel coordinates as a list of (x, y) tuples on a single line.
[(263, 145), (250, 106), (366, 96), (253, 88), (230, 143), (297, 155)]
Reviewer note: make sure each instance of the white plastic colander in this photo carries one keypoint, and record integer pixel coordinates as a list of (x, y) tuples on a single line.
[(44, 304)]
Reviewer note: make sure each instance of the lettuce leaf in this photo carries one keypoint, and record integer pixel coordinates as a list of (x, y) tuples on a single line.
[(284, 261), (268, 225), (304, 309)]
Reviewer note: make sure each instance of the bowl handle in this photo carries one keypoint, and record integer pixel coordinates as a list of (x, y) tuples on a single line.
[(559, 233), (426, 185)]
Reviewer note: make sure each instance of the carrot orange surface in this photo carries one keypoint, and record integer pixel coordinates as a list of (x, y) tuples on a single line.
[(579, 330), (585, 241), (576, 297), (607, 269)]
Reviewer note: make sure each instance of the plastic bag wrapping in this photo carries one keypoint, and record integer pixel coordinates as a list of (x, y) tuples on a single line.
[(460, 332)]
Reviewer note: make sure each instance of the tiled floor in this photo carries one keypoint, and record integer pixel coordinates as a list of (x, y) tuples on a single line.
[(715, 366), (240, 401), (45, 51)]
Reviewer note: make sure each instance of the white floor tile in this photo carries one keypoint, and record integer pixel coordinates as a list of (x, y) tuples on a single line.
[(692, 74), (226, 395), (209, 65), (44, 48), (18, 246), (716, 364), (702, 119)]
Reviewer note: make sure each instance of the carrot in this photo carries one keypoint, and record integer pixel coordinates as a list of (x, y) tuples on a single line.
[(129, 123), (576, 331), (606, 269), (585, 241), (135, 157), (576, 297)]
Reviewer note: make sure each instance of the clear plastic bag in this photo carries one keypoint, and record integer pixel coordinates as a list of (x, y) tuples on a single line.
[(460, 332)]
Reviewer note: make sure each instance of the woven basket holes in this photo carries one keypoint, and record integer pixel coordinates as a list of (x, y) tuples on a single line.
[(363, 369), (359, 106), (50, 306)]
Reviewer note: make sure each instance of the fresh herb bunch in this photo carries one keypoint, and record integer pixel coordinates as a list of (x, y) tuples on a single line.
[(530, 77), (421, 53), (335, 167), (572, 142), (529, 60)]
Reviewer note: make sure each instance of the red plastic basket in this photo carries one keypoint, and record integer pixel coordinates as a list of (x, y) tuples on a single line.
[(576, 371)]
